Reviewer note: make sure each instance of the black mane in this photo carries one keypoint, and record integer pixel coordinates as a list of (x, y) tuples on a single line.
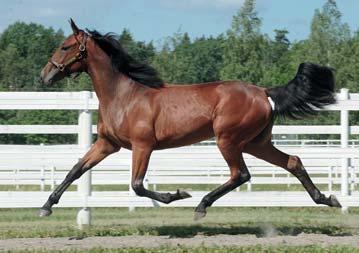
[(121, 60)]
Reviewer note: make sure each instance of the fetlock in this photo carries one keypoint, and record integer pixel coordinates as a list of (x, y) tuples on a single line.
[(320, 198), (167, 197), (202, 206), (54, 198)]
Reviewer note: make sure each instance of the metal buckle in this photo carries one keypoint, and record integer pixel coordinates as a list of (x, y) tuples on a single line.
[(80, 55), (61, 67), (82, 48)]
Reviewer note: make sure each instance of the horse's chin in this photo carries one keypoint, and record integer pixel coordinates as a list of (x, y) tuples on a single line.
[(52, 77)]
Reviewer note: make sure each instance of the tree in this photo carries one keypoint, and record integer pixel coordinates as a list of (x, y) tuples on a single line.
[(326, 35), (244, 47), (207, 59), (12, 67), (246, 22), (276, 60), (24, 50), (347, 70), (281, 44), (183, 61), (139, 50), (174, 62), (163, 63)]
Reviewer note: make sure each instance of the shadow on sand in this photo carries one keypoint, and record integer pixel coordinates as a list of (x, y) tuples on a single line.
[(262, 230)]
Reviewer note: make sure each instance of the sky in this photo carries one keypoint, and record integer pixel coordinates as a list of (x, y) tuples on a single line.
[(155, 20)]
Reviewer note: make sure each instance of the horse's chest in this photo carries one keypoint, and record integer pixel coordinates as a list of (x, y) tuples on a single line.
[(117, 132)]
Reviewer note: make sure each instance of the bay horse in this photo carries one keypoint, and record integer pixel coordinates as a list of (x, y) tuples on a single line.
[(137, 111)]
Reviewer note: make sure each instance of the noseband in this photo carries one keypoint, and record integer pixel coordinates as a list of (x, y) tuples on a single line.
[(62, 67)]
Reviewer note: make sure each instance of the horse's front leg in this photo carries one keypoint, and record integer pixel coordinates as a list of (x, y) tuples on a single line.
[(97, 153), (140, 159)]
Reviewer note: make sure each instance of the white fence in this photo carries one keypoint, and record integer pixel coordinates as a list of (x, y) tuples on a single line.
[(328, 164)]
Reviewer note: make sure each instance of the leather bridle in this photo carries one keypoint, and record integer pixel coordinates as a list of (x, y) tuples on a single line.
[(82, 54)]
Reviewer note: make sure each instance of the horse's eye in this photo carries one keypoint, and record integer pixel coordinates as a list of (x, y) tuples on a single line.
[(64, 48)]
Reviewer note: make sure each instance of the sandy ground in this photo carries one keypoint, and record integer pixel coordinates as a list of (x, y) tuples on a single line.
[(157, 241)]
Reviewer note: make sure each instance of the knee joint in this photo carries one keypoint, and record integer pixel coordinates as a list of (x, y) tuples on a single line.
[(76, 171), (205, 202), (137, 186), (246, 176), (242, 177)]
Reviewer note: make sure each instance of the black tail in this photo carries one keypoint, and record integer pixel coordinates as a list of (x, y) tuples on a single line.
[(311, 88)]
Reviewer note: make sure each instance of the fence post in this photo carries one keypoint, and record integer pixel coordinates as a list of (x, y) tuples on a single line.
[(344, 136), (42, 179), (53, 168), (352, 178), (42, 175), (330, 179), (84, 142)]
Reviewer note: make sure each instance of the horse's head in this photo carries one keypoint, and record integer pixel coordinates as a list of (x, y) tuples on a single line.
[(69, 58)]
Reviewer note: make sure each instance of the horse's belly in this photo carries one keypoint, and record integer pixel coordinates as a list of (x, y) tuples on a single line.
[(184, 138)]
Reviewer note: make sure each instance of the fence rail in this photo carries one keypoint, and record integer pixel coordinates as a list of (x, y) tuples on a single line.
[(335, 162)]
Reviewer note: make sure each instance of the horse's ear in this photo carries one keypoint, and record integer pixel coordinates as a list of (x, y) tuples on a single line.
[(74, 27)]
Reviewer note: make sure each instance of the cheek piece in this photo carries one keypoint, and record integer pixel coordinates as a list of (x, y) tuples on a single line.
[(82, 54)]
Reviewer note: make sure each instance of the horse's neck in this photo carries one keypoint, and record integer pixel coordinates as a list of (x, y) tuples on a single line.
[(105, 78), (111, 86)]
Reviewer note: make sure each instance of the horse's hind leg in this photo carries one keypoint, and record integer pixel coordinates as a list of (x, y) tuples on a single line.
[(239, 175), (293, 165), (140, 160)]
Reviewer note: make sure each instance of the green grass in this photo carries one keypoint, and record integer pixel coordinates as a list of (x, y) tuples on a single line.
[(178, 222), (255, 249)]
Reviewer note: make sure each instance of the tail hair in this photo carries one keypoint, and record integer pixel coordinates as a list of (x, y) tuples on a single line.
[(311, 88)]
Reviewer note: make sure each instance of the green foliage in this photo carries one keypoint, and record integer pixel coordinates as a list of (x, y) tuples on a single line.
[(277, 70), (24, 50), (246, 22), (36, 118), (140, 50), (243, 59), (245, 47), (327, 32), (183, 61)]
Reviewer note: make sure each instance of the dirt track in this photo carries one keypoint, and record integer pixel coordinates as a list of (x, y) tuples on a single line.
[(157, 241)]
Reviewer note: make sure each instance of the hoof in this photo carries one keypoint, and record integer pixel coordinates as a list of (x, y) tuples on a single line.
[(183, 194), (199, 215), (334, 201), (45, 212)]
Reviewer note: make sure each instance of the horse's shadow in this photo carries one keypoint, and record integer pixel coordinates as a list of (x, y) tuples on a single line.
[(262, 230)]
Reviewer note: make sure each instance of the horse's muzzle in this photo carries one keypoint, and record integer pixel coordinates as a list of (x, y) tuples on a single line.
[(51, 76)]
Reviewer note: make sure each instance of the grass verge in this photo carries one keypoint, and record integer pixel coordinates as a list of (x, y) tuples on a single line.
[(178, 222)]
